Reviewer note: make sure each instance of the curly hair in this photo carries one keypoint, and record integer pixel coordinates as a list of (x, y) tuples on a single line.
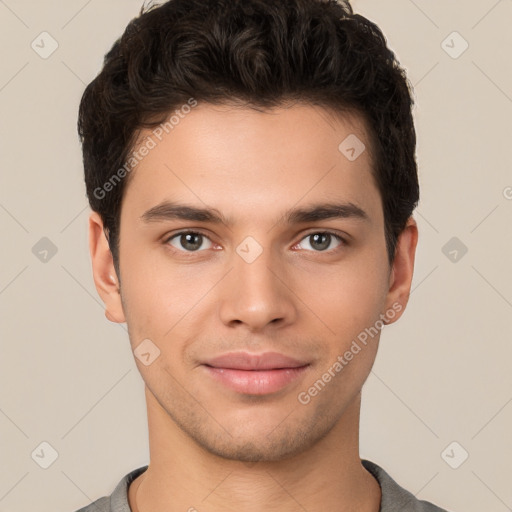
[(258, 53)]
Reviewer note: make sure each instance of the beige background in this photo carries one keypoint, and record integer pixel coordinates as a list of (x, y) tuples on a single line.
[(443, 373)]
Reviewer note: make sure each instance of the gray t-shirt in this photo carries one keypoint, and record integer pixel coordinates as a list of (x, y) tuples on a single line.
[(394, 497)]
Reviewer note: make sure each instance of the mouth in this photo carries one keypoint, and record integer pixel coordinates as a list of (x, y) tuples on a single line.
[(255, 374)]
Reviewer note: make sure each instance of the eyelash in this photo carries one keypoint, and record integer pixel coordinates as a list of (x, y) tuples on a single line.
[(324, 232)]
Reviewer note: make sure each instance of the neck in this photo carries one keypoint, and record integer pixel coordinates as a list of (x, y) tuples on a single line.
[(183, 476)]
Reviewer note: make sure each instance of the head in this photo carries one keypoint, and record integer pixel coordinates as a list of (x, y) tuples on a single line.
[(206, 104)]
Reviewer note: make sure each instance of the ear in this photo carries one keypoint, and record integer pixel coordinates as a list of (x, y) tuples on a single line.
[(400, 278), (104, 273)]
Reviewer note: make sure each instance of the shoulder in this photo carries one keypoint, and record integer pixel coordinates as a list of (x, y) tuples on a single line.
[(395, 497), (118, 500), (100, 505)]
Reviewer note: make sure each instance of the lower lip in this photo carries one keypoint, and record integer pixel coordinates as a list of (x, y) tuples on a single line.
[(256, 382)]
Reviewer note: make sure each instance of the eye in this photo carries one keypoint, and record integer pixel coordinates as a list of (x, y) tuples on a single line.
[(188, 241), (321, 240)]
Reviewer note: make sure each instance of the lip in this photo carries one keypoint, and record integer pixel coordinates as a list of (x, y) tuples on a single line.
[(247, 361), (255, 374)]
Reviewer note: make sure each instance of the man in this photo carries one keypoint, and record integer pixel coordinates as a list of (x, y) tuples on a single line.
[(251, 170)]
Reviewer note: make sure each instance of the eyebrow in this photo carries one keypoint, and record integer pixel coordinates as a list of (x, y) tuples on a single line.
[(168, 210)]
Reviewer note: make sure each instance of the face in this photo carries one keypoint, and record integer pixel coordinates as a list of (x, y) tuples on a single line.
[(247, 312)]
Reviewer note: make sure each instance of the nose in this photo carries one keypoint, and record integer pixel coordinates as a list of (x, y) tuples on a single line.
[(257, 294)]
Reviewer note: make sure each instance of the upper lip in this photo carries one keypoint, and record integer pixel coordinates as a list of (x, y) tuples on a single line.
[(247, 361)]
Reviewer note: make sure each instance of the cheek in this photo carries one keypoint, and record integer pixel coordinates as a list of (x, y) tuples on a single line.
[(348, 297), (147, 291), (161, 297), (349, 304)]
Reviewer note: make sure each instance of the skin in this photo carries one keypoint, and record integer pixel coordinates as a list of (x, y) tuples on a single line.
[(212, 448)]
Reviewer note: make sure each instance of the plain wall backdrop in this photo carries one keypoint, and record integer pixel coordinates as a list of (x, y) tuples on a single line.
[(441, 387)]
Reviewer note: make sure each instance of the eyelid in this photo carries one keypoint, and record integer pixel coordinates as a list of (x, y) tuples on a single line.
[(343, 238), (198, 231), (340, 234), (168, 238)]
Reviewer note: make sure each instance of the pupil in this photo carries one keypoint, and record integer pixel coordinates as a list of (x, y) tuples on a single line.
[(190, 244), (326, 237)]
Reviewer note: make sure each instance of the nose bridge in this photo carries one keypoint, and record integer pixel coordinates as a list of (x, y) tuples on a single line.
[(256, 293)]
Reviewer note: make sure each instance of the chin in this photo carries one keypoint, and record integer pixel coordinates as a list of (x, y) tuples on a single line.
[(259, 446)]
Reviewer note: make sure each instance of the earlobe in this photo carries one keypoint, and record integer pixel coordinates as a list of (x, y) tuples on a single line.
[(402, 271), (104, 273)]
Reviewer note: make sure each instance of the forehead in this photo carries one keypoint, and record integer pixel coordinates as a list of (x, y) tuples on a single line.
[(241, 160)]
